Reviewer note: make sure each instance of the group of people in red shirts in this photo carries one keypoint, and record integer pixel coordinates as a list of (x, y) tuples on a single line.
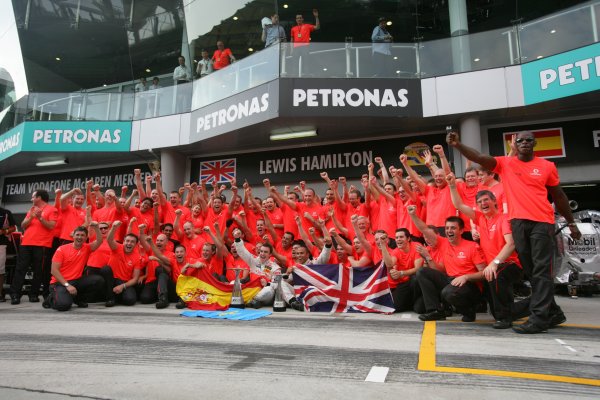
[(442, 241)]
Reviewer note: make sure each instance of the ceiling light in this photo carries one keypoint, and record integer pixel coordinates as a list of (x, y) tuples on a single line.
[(324, 69), (293, 135), (285, 6), (235, 18), (397, 72), (395, 57), (538, 57), (553, 31), (104, 85), (57, 58), (389, 23), (476, 60), (148, 70), (49, 163), (250, 49)]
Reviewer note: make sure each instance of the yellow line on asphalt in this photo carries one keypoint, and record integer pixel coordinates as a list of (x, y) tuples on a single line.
[(427, 362)]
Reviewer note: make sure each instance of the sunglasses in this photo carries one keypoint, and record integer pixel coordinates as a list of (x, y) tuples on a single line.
[(526, 140), (103, 228)]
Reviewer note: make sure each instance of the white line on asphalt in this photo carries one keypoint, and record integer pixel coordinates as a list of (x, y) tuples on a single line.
[(377, 374), (560, 341), (406, 316), (572, 349)]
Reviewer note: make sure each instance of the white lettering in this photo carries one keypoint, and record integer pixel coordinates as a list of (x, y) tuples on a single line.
[(232, 113), (299, 96), (584, 68), (564, 74), (596, 138), (37, 135), (547, 76)]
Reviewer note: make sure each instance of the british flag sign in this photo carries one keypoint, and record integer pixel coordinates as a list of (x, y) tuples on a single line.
[(218, 171), (334, 288)]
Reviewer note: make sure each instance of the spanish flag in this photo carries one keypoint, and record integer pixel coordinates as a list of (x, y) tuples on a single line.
[(204, 292), (550, 142)]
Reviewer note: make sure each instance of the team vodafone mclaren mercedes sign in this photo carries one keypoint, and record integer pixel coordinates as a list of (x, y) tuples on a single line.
[(351, 97)]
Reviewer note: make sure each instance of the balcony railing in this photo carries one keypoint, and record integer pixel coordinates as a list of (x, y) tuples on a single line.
[(520, 43)]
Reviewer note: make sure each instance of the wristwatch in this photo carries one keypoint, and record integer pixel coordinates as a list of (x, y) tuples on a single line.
[(497, 262), (66, 284)]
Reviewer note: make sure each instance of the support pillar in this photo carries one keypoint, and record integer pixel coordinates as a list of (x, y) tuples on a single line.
[(459, 28), (172, 167)]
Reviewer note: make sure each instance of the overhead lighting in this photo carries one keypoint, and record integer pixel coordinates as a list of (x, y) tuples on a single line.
[(389, 23), (57, 58), (285, 6), (395, 57), (49, 163), (476, 60), (250, 49), (293, 135), (235, 18), (538, 57), (397, 72), (148, 70), (104, 85), (553, 31), (324, 69)]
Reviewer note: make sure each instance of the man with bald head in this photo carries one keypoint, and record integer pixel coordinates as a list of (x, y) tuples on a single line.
[(158, 270)]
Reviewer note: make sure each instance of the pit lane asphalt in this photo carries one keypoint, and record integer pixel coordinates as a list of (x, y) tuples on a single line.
[(143, 353)]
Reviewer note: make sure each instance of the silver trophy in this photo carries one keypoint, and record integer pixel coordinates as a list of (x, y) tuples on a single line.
[(278, 303), (237, 299)]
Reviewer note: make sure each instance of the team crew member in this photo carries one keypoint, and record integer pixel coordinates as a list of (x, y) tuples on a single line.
[(222, 57), (7, 227), (464, 263), (503, 268), (35, 245), (68, 285), (71, 215), (527, 180), (125, 266), (402, 264), (300, 36), (158, 270)]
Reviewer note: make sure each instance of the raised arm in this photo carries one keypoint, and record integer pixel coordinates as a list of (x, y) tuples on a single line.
[(412, 173), (96, 243), (439, 150), (384, 173), (486, 161), (428, 233), (110, 239), (457, 201)]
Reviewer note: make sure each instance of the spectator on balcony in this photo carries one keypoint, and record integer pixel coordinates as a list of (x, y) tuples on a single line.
[(180, 74), (205, 65), (382, 49), (154, 101), (300, 35), (273, 33), (155, 83), (140, 99), (222, 57), (142, 85)]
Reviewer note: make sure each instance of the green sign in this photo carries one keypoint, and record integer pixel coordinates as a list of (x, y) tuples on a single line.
[(79, 136), (566, 74), (11, 142)]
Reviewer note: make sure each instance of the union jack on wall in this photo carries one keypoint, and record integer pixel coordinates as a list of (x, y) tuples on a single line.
[(217, 171), (334, 288)]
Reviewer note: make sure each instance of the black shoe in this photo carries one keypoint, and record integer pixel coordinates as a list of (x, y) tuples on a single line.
[(109, 303), (46, 303), (557, 319), (163, 302), (448, 311), (180, 304), (34, 299), (502, 324), (254, 304), (14, 299), (528, 328), (469, 316), (296, 304), (433, 316), (82, 304)]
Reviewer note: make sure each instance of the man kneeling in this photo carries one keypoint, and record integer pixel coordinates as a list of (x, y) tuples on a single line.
[(68, 286), (463, 261)]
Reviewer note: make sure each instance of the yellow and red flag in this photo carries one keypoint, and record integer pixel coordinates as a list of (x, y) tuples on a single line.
[(550, 142), (204, 292)]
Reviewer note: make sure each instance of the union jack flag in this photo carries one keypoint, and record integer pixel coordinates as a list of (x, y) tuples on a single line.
[(334, 288), (217, 171)]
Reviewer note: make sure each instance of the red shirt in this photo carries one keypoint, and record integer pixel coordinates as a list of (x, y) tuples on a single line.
[(491, 236), (71, 218), (300, 34), (403, 219), (289, 223), (388, 215), (232, 262), (405, 260), (100, 257), (193, 247), (462, 259), (123, 264), (525, 187), (221, 59), (439, 205), (72, 261), (315, 210), (152, 265), (37, 234)]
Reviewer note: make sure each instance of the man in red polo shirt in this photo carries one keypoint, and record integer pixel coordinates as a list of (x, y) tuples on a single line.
[(67, 284), (495, 237), (464, 264), (35, 245), (527, 180), (300, 36), (125, 264)]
